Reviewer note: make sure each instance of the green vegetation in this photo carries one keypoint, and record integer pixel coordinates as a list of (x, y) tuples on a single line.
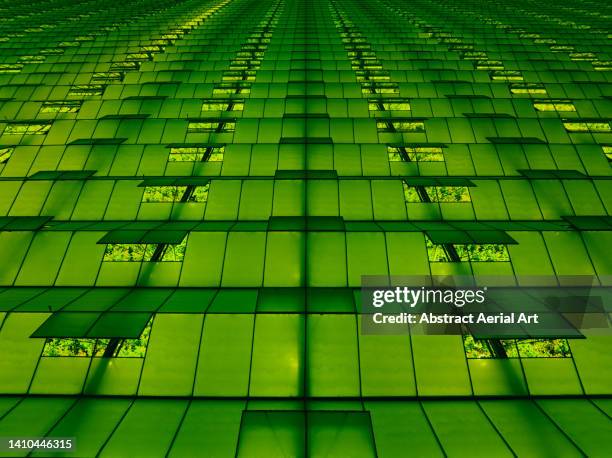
[(415, 154), (524, 348), (198, 154), (200, 127), (86, 90), (223, 105), (587, 126), (70, 347), (137, 252), (488, 252), (128, 348), (160, 194), (61, 107), (5, 154), (446, 194), (553, 105), (28, 128)]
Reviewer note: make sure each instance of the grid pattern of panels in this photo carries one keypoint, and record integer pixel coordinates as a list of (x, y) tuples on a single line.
[(192, 191), (144, 427)]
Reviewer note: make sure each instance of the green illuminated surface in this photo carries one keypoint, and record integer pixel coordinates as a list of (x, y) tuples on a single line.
[(207, 181)]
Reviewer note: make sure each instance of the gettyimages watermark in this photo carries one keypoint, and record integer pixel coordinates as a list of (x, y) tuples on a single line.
[(456, 305), (431, 295)]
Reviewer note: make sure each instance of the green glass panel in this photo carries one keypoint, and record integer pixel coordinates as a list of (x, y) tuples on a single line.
[(472, 436), (171, 355), (277, 363), (146, 430), (209, 428), (527, 429)]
